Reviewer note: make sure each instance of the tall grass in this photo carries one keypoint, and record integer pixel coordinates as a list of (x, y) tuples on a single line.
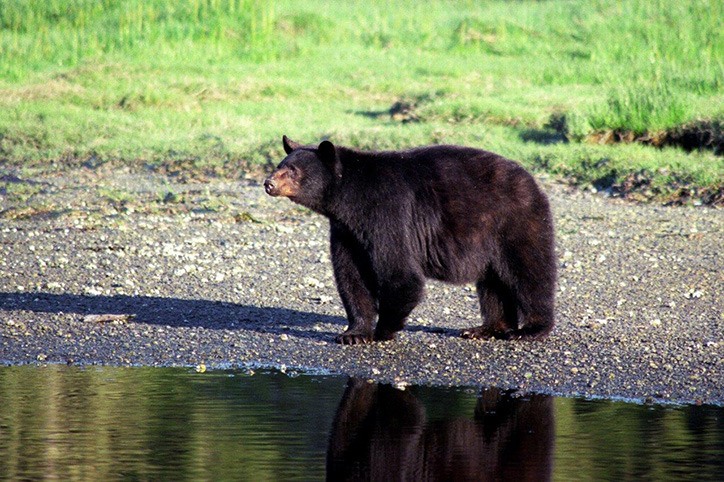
[(143, 78), (640, 108), (591, 41), (657, 60), (37, 34)]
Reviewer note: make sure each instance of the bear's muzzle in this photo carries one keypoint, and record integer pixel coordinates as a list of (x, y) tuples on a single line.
[(270, 187)]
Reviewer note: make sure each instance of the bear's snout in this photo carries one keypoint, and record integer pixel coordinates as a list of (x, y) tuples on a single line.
[(270, 187), (280, 183)]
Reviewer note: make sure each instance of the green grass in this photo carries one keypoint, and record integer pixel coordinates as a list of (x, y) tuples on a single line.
[(218, 82)]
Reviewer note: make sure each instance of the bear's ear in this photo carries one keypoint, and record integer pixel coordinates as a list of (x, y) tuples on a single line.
[(289, 145), (328, 154)]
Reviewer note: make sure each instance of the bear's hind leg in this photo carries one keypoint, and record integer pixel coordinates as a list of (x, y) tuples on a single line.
[(535, 304), (497, 308), (533, 266), (397, 300)]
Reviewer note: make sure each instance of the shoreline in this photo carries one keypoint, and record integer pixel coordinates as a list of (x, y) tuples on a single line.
[(221, 275), (252, 369)]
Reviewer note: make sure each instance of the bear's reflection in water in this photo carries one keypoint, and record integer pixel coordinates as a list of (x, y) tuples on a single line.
[(382, 433)]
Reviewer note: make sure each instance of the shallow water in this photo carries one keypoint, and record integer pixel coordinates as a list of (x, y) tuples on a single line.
[(70, 423)]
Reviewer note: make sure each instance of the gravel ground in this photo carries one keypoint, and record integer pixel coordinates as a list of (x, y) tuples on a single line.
[(218, 274)]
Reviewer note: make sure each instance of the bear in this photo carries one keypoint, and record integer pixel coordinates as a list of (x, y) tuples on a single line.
[(445, 212)]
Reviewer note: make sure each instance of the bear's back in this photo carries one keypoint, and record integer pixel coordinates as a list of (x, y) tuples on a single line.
[(453, 178)]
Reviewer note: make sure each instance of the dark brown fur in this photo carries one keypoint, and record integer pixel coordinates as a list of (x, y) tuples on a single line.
[(450, 213)]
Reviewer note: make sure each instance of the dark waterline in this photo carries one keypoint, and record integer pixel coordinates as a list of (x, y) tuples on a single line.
[(70, 423)]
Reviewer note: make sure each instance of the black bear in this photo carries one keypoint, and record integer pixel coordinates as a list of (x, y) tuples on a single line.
[(451, 213)]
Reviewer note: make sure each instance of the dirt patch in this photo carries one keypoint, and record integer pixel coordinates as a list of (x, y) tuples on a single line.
[(405, 109), (696, 135), (705, 134), (640, 187), (402, 110)]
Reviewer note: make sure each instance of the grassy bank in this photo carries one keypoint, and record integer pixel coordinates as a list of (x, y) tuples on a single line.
[(213, 84)]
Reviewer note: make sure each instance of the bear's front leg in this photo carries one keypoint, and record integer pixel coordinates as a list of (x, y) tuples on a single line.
[(355, 284)]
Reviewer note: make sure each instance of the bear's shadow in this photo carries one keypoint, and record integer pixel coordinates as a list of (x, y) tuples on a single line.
[(178, 312)]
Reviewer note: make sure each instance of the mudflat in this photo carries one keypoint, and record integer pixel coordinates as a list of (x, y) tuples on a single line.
[(116, 267)]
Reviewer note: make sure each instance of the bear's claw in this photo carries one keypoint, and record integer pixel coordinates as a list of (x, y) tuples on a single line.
[(348, 338)]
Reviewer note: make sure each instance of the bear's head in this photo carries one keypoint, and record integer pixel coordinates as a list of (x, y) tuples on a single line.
[(307, 175)]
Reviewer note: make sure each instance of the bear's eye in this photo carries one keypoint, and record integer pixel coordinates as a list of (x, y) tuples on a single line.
[(293, 171)]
